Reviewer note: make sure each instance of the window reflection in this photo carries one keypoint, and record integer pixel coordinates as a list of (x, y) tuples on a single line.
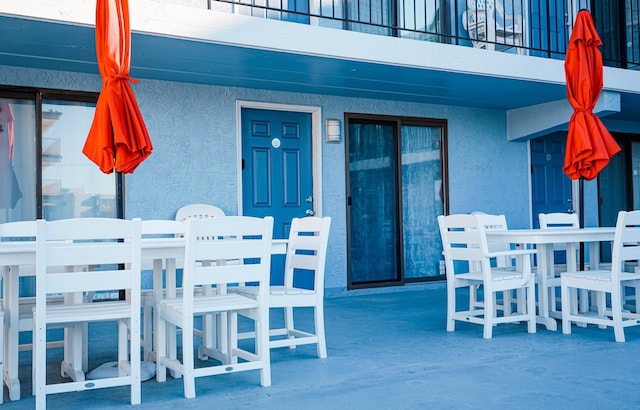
[(17, 154), (72, 185)]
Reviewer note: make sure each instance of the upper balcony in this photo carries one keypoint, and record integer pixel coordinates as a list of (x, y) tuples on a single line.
[(495, 54)]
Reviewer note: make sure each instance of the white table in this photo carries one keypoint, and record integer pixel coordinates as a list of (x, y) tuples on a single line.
[(14, 255), (544, 239)]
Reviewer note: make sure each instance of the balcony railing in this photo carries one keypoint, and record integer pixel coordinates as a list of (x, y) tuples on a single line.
[(532, 27)]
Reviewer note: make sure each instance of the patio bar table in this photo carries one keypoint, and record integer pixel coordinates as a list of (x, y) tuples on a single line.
[(543, 240), (13, 255)]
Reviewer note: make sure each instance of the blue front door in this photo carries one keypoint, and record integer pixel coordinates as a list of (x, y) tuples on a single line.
[(550, 186), (277, 169)]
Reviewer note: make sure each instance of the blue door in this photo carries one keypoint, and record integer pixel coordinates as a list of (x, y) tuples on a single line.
[(550, 186), (277, 170)]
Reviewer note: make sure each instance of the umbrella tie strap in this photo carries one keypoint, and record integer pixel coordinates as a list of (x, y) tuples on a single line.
[(121, 77)]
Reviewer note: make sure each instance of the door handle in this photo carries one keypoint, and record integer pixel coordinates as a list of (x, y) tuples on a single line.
[(310, 212)]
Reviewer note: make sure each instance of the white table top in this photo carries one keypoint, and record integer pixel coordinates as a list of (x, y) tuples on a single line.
[(553, 235)]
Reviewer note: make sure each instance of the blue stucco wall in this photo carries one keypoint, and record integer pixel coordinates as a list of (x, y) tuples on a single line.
[(193, 130)]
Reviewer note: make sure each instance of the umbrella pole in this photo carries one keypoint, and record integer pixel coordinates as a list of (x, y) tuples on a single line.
[(581, 217)]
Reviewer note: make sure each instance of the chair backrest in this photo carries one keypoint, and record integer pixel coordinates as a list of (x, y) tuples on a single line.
[(199, 211), (464, 240), (87, 254), (307, 250), (626, 242), (496, 223), (211, 242), (461, 239), (558, 220), (18, 231)]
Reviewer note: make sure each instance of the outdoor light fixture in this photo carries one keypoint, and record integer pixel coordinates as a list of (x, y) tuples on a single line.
[(332, 131)]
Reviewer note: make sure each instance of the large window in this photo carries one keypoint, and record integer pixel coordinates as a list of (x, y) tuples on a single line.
[(43, 172)]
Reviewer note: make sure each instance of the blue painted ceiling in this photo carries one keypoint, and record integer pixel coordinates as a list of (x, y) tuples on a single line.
[(51, 45)]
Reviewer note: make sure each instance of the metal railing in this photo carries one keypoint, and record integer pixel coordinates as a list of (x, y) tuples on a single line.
[(533, 27)]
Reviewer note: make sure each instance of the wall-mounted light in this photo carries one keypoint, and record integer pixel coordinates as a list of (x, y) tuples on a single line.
[(332, 131)]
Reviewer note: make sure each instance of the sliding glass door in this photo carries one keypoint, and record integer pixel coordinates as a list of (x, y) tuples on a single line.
[(395, 193)]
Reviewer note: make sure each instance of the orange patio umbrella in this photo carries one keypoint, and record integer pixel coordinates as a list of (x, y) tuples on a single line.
[(118, 138), (589, 145)]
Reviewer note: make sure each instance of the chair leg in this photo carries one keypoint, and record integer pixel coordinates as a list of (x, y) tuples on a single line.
[(2, 361), (134, 360), (565, 295), (39, 361), (616, 310), (531, 307), (289, 324), (161, 350), (322, 344), (262, 345), (188, 360), (488, 313), (451, 306)]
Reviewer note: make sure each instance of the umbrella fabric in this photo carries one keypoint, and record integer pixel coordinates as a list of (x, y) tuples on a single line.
[(589, 145), (118, 138)]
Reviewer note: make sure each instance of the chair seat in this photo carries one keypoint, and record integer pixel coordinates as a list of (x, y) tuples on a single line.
[(273, 290), (496, 275), (211, 304), (601, 275), (283, 290), (97, 311)]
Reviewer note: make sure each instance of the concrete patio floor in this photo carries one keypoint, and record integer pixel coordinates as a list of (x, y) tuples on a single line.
[(391, 351)]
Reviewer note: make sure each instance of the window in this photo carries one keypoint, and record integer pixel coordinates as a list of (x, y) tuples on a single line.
[(43, 172)]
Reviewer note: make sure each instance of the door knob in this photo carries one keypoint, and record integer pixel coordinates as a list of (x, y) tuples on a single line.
[(310, 212)]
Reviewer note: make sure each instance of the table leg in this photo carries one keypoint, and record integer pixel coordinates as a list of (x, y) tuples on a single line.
[(149, 334), (545, 265), (172, 347)]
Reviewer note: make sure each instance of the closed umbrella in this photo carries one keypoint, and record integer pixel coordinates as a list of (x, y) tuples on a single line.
[(118, 138), (589, 145)]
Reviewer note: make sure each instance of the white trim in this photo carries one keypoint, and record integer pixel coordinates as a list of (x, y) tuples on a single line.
[(316, 145)]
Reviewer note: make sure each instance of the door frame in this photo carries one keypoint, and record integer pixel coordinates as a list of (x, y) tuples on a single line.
[(316, 145)]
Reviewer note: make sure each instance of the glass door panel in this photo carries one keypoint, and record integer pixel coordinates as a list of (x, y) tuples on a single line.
[(422, 200), (373, 214)]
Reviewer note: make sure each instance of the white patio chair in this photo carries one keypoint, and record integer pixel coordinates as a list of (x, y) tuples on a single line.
[(209, 243), (306, 254), (504, 304), (212, 336), (95, 254), (469, 264), (16, 233), (626, 248), (560, 220)]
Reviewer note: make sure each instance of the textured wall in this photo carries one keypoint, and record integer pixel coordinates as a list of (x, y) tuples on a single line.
[(193, 129)]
